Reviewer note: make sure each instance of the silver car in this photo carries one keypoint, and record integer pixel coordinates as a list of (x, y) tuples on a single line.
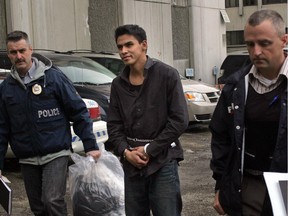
[(201, 100)]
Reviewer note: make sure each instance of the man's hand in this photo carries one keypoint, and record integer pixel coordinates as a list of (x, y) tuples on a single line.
[(217, 206), (95, 154), (137, 157), (141, 150)]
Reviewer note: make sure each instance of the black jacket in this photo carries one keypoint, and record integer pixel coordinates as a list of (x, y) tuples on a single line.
[(157, 112), (227, 127)]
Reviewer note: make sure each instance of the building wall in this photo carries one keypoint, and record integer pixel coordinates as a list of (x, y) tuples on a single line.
[(103, 20), (51, 24), (208, 38), (155, 17), (72, 24), (239, 16), (3, 26), (181, 37)]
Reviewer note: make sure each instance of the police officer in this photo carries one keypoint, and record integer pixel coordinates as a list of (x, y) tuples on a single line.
[(37, 104)]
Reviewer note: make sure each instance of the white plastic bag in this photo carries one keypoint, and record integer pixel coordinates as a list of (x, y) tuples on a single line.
[(97, 188)]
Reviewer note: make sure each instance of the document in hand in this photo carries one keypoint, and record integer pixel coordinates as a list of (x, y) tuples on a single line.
[(277, 188), (284, 190), (6, 196)]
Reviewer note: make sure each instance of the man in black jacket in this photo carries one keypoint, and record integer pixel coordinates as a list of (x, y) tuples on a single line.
[(249, 125), (147, 114)]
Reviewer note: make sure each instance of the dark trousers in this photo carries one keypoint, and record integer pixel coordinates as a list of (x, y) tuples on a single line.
[(159, 193), (46, 187), (255, 198)]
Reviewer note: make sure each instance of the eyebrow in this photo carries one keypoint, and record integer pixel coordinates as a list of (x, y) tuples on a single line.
[(17, 50), (258, 41), (125, 44)]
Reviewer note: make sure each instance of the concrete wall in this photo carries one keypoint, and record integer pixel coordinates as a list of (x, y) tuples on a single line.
[(155, 17), (239, 16), (181, 37), (103, 20), (181, 33), (169, 26), (51, 24), (3, 31), (208, 39)]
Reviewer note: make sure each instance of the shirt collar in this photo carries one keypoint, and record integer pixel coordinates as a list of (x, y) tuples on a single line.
[(253, 74), (30, 74), (32, 70)]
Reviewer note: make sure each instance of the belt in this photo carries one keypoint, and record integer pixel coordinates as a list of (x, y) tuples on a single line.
[(146, 141), (254, 172), (139, 140)]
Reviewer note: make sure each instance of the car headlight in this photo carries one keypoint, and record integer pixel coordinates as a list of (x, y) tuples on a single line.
[(194, 96)]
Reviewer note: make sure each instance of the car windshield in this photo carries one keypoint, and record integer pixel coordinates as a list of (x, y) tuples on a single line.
[(85, 72)]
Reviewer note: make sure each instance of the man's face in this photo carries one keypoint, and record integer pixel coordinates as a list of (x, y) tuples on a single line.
[(20, 54), (265, 47), (130, 50)]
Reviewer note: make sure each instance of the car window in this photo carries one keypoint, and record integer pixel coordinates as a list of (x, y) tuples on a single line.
[(234, 62), (5, 61), (115, 65), (231, 64), (85, 72)]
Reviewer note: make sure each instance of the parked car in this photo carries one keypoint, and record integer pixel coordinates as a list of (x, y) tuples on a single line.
[(201, 100), (91, 80), (109, 60), (233, 62)]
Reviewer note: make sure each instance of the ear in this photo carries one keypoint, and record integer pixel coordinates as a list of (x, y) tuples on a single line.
[(284, 40), (30, 48), (144, 45)]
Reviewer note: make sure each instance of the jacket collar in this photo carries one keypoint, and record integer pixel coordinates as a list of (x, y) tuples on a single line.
[(125, 74)]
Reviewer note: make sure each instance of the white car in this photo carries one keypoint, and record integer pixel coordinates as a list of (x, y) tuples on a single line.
[(201, 100), (99, 129)]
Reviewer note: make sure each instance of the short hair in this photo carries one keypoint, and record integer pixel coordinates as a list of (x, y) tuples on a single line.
[(134, 30), (262, 15), (16, 36)]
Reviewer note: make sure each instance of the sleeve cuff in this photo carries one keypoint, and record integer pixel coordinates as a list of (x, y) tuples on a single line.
[(145, 148)]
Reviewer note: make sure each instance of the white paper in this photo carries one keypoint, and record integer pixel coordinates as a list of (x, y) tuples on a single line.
[(5, 179), (6, 196), (272, 181)]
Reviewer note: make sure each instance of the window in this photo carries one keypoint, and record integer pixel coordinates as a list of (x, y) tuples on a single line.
[(273, 1), (249, 2), (235, 37), (231, 3)]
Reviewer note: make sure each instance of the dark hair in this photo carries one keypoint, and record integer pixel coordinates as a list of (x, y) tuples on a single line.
[(259, 16), (16, 36), (135, 30)]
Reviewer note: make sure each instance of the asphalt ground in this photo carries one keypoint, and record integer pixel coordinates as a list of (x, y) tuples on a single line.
[(197, 185)]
